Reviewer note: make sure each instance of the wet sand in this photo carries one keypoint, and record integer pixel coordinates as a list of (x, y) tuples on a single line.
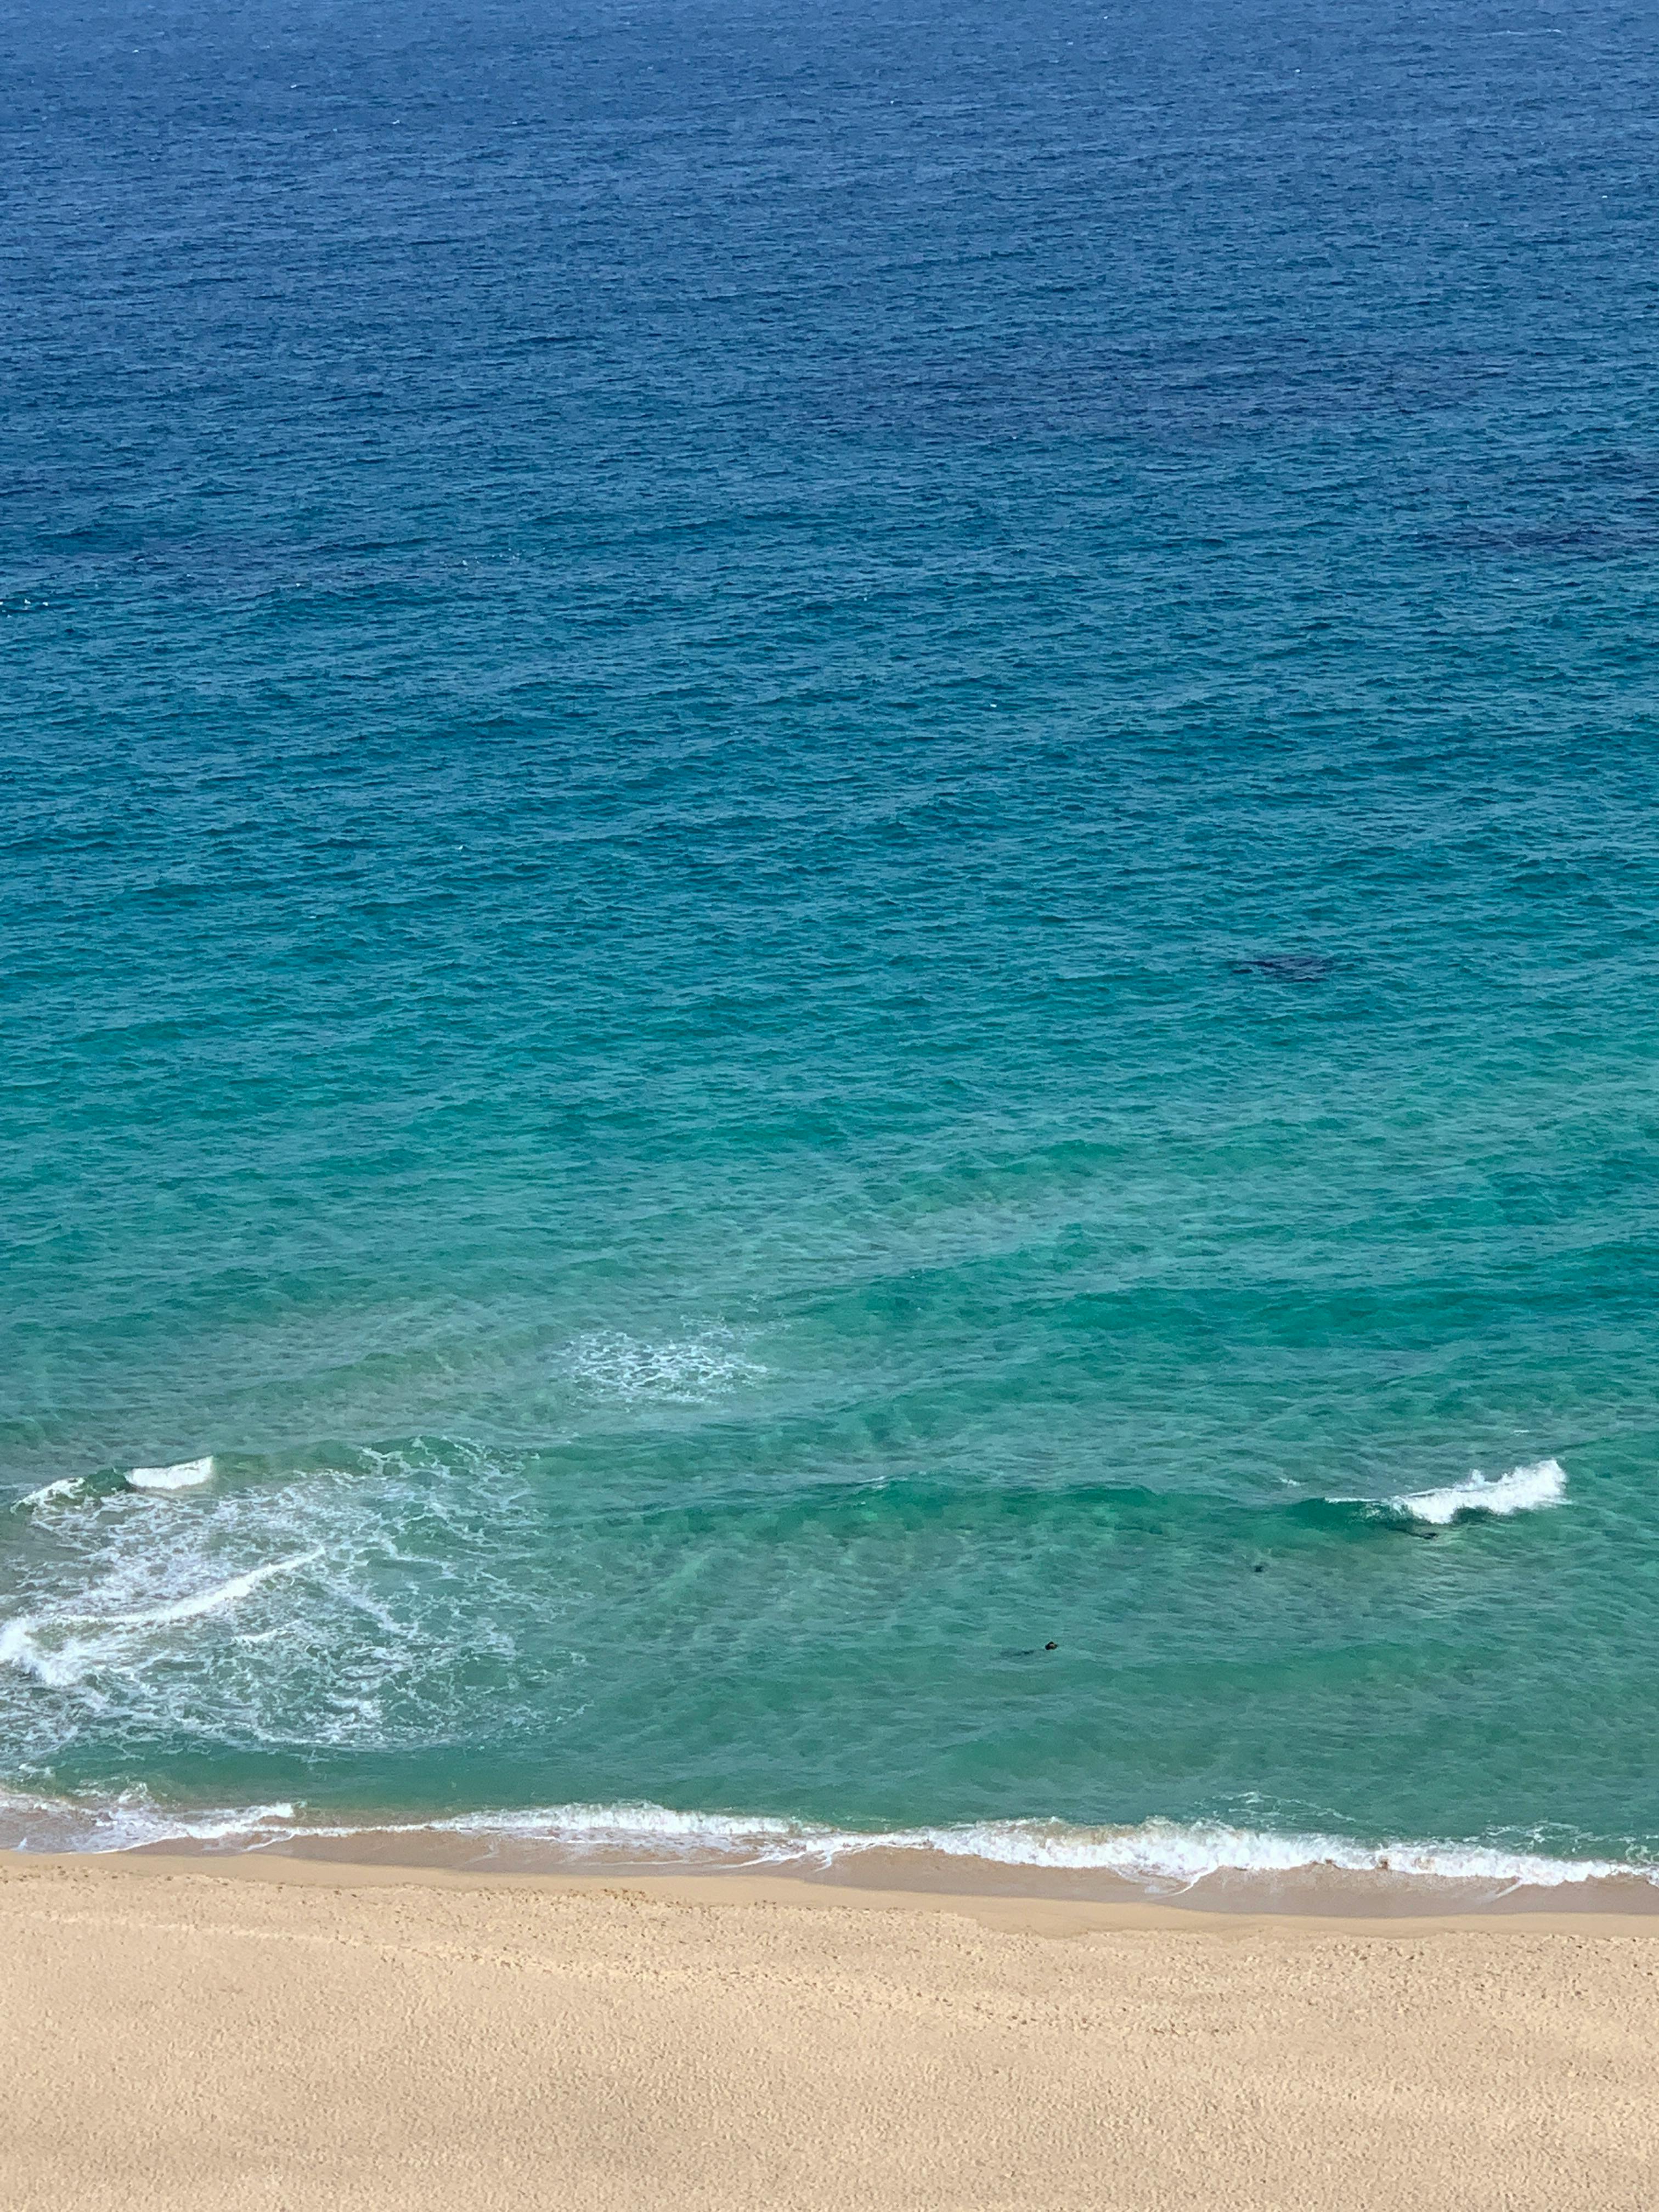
[(254, 2032)]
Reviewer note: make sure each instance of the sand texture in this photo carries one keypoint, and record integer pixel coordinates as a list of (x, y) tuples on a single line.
[(186, 2038)]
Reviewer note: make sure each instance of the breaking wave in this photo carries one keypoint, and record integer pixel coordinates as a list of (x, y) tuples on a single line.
[(54, 1493), (184, 1474), (88, 1489), (1523, 1490)]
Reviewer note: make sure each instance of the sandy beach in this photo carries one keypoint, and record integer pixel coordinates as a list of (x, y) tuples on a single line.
[(260, 2032)]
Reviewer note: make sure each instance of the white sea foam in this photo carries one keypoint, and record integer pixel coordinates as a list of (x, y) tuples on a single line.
[(55, 1493), (1523, 1490), (1159, 1856), (681, 1371), (375, 1604), (62, 1647), (212, 1601), (128, 1822), (1159, 1852), (186, 1474)]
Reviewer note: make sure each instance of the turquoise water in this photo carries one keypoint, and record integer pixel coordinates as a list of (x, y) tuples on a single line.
[(830, 850)]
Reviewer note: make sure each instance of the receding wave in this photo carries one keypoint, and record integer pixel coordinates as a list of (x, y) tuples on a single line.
[(1160, 1856)]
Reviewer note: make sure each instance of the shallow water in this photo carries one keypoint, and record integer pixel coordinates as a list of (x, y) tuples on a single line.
[(830, 850)]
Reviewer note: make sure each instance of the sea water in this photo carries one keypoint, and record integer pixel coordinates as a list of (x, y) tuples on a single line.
[(831, 916)]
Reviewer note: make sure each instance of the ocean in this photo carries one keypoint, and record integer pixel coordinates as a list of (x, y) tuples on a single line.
[(831, 917)]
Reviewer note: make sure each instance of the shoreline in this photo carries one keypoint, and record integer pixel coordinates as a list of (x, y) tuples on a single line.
[(919, 1879), (246, 2030), (1203, 1866), (1317, 1891), (1049, 1902)]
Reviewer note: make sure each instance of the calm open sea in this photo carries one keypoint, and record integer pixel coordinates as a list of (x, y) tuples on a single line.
[(831, 915)]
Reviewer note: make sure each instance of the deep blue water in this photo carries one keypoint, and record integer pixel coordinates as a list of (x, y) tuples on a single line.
[(830, 845)]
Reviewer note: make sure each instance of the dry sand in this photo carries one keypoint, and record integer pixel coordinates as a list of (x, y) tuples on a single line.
[(267, 2033)]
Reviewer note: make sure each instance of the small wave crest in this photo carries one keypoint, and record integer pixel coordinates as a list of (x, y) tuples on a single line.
[(1522, 1489), (90, 1489)]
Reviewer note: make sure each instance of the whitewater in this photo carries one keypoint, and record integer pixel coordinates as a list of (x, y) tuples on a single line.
[(98, 1644)]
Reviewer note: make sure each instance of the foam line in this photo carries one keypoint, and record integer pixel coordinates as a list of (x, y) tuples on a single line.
[(210, 1601), (1156, 1853)]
